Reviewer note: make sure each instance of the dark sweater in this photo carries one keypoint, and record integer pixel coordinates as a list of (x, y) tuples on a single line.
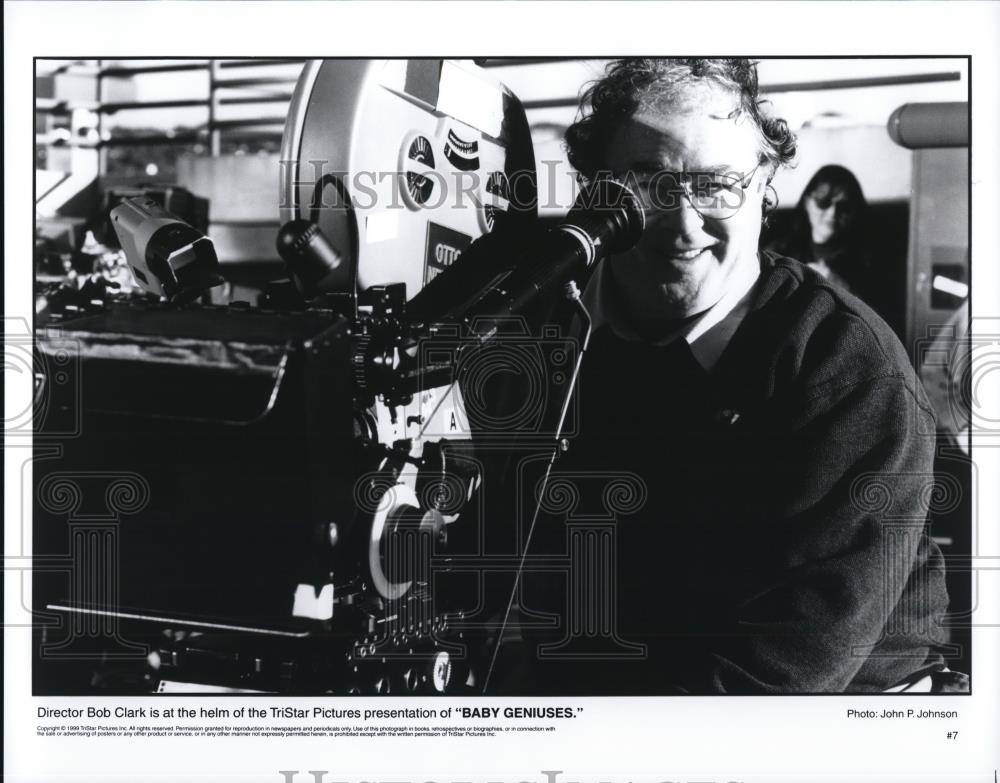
[(782, 545)]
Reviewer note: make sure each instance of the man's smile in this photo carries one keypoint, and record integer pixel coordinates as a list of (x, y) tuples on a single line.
[(685, 254)]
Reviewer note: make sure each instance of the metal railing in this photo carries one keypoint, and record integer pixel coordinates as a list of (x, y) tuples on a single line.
[(241, 130)]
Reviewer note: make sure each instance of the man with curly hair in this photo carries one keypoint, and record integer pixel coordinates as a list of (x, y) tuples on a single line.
[(783, 442)]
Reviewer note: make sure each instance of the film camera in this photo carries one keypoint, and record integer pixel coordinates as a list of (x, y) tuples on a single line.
[(274, 497)]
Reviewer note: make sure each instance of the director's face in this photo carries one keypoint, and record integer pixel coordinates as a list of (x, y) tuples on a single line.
[(688, 258)]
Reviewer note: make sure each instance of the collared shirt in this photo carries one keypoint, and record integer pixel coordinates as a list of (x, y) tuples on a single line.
[(707, 336)]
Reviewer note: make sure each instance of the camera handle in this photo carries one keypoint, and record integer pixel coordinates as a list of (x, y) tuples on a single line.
[(572, 293)]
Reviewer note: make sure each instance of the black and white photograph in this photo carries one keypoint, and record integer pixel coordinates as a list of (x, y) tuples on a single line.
[(380, 378), (446, 387)]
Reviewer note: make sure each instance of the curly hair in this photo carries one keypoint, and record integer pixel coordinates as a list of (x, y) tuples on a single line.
[(634, 83)]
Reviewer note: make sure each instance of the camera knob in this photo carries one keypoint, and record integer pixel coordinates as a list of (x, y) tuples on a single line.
[(440, 672)]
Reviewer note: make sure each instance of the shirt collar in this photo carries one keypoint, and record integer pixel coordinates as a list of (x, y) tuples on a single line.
[(707, 336)]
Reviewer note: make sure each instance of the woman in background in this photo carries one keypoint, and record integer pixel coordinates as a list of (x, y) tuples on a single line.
[(827, 229)]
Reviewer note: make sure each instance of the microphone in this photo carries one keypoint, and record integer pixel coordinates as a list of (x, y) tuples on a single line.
[(607, 218)]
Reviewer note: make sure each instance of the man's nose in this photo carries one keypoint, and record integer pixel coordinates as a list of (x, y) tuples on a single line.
[(679, 217)]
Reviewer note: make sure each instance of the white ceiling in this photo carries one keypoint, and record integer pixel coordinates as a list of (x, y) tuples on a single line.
[(856, 106)]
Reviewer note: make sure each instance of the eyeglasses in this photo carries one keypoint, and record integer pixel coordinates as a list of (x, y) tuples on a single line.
[(712, 195), (824, 203)]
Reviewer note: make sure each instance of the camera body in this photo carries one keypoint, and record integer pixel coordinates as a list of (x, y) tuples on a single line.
[(266, 498)]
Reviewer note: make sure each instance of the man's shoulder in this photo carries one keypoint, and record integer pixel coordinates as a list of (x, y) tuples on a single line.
[(822, 336)]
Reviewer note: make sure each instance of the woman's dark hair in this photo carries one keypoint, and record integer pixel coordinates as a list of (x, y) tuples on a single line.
[(848, 255), (828, 179), (833, 177), (632, 83)]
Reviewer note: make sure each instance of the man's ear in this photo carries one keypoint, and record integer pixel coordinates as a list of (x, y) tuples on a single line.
[(770, 201)]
